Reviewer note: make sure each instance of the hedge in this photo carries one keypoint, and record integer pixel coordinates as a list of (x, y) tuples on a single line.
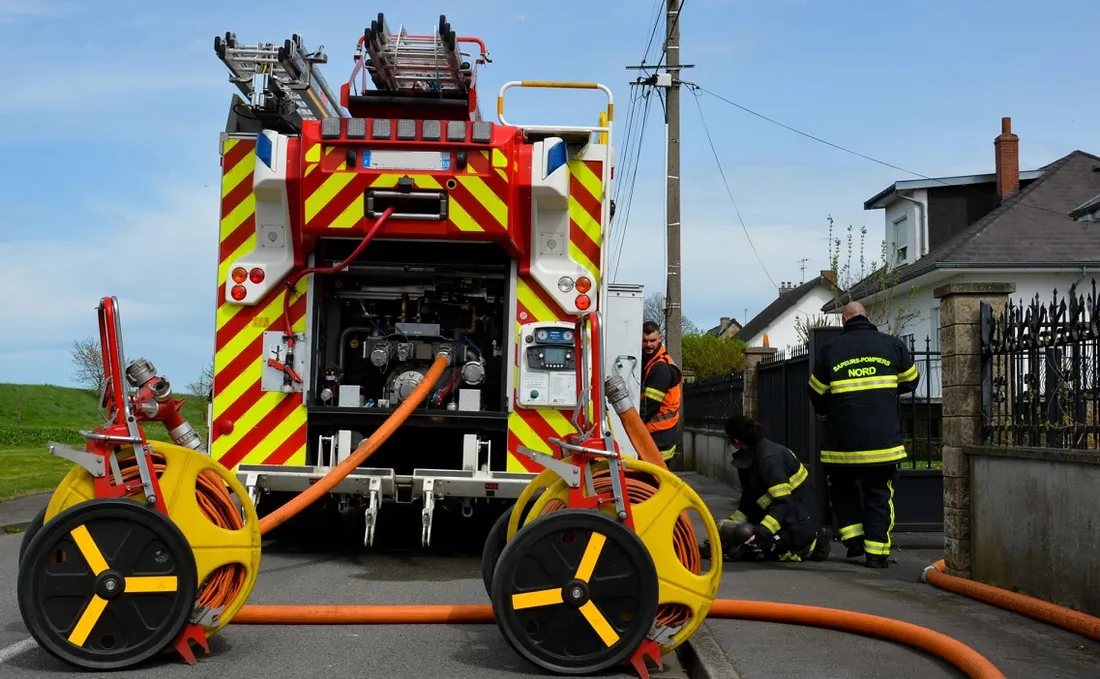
[(33, 437)]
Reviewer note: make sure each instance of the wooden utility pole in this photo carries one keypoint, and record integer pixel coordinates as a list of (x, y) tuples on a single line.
[(669, 81), (673, 296)]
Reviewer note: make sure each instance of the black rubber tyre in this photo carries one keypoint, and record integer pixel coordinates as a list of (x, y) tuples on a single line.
[(107, 584), (32, 530)]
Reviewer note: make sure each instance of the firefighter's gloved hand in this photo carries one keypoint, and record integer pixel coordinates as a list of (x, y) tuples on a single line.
[(762, 541)]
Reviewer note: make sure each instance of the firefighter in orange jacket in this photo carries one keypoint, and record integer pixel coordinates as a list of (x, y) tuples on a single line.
[(661, 382)]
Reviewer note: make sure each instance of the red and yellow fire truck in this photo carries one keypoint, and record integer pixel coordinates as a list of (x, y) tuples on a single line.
[(364, 231)]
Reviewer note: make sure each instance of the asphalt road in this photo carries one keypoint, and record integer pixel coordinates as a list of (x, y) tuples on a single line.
[(300, 575)]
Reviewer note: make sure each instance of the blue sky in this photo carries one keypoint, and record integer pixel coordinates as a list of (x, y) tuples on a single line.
[(112, 117)]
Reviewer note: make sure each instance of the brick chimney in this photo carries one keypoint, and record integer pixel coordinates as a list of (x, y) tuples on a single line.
[(1007, 147), (829, 275)]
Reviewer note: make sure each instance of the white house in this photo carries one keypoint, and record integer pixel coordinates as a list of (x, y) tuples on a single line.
[(778, 324), (1008, 226)]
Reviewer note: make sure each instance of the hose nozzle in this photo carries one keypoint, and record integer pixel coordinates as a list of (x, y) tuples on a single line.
[(617, 394)]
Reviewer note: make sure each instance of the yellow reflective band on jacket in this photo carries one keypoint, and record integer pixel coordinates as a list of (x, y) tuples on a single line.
[(668, 453), (863, 456), (770, 524), (783, 489), (909, 375), (864, 383), (817, 385), (738, 516), (654, 394)]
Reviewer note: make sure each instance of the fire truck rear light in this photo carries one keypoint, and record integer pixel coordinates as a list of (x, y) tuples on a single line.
[(240, 274), (380, 128), (357, 128), (431, 130), (482, 132), (456, 130), (583, 302), (238, 292), (330, 128), (256, 275), (406, 130), (584, 284)]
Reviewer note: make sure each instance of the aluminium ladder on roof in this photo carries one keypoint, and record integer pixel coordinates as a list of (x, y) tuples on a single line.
[(258, 70), (403, 62)]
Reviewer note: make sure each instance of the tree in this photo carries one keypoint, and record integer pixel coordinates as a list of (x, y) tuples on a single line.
[(888, 307), (804, 324), (202, 385), (653, 309), (709, 356), (88, 357)]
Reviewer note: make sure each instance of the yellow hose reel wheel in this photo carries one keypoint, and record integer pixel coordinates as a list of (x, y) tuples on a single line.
[(545, 479), (655, 522), (215, 548)]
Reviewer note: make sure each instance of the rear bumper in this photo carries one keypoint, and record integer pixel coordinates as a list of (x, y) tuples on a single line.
[(376, 484)]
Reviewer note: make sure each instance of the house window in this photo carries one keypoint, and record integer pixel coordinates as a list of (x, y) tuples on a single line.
[(909, 341), (900, 238)]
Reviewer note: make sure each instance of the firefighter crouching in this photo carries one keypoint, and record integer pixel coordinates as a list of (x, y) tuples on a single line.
[(776, 519), (854, 387), (661, 383)]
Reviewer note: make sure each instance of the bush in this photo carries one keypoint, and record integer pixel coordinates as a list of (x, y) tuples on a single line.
[(710, 356)]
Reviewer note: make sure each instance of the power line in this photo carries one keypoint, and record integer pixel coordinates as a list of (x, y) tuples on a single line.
[(729, 191), (746, 109)]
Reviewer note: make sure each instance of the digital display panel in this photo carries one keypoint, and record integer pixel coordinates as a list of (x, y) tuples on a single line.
[(554, 355)]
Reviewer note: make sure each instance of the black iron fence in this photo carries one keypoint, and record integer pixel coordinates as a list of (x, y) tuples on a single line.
[(709, 402), (1040, 373), (783, 404), (921, 411)]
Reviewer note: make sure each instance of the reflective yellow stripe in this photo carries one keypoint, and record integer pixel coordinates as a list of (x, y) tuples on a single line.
[(876, 548), (738, 516), (864, 383), (780, 490), (654, 394), (543, 597), (863, 456), (817, 385), (908, 375), (799, 477), (764, 501), (668, 453), (591, 556), (603, 628), (87, 621), (770, 524), (853, 531)]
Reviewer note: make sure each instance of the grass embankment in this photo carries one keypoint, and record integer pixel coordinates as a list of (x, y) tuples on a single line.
[(31, 415)]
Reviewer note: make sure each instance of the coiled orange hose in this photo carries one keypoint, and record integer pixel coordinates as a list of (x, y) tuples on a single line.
[(224, 583)]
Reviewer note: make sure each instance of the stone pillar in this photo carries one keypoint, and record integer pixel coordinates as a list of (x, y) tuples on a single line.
[(960, 351), (753, 357)]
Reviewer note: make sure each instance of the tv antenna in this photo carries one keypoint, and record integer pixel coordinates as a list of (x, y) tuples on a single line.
[(802, 265)]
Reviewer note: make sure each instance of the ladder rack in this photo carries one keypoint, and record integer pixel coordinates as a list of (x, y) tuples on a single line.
[(279, 77), (415, 63)]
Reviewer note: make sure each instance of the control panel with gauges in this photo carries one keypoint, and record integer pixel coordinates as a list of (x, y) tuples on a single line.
[(548, 366)]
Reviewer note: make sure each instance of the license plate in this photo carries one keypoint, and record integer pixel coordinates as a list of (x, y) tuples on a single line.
[(406, 160)]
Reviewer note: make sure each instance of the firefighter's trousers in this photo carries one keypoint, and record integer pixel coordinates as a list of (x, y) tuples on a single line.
[(862, 496)]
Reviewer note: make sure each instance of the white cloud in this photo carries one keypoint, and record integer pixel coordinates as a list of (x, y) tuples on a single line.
[(14, 10), (160, 262)]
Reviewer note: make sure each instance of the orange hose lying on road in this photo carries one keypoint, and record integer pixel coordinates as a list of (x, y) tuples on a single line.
[(1066, 618), (969, 661), (365, 449)]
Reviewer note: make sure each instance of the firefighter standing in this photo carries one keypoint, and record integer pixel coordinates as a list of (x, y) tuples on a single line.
[(854, 387), (775, 518), (661, 382)]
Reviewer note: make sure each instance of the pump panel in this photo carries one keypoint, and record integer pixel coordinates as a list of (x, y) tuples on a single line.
[(547, 366)]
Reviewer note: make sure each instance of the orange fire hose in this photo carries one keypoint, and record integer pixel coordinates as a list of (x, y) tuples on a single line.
[(640, 438), (1066, 618)]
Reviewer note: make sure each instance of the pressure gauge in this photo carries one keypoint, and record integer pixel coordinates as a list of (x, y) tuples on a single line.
[(542, 335), (567, 335)]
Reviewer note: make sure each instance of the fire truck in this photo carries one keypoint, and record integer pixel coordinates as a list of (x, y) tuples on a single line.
[(365, 230)]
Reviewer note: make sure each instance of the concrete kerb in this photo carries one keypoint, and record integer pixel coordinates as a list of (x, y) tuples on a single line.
[(703, 658)]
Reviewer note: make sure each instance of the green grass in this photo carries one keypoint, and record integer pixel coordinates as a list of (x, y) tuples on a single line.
[(31, 415)]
